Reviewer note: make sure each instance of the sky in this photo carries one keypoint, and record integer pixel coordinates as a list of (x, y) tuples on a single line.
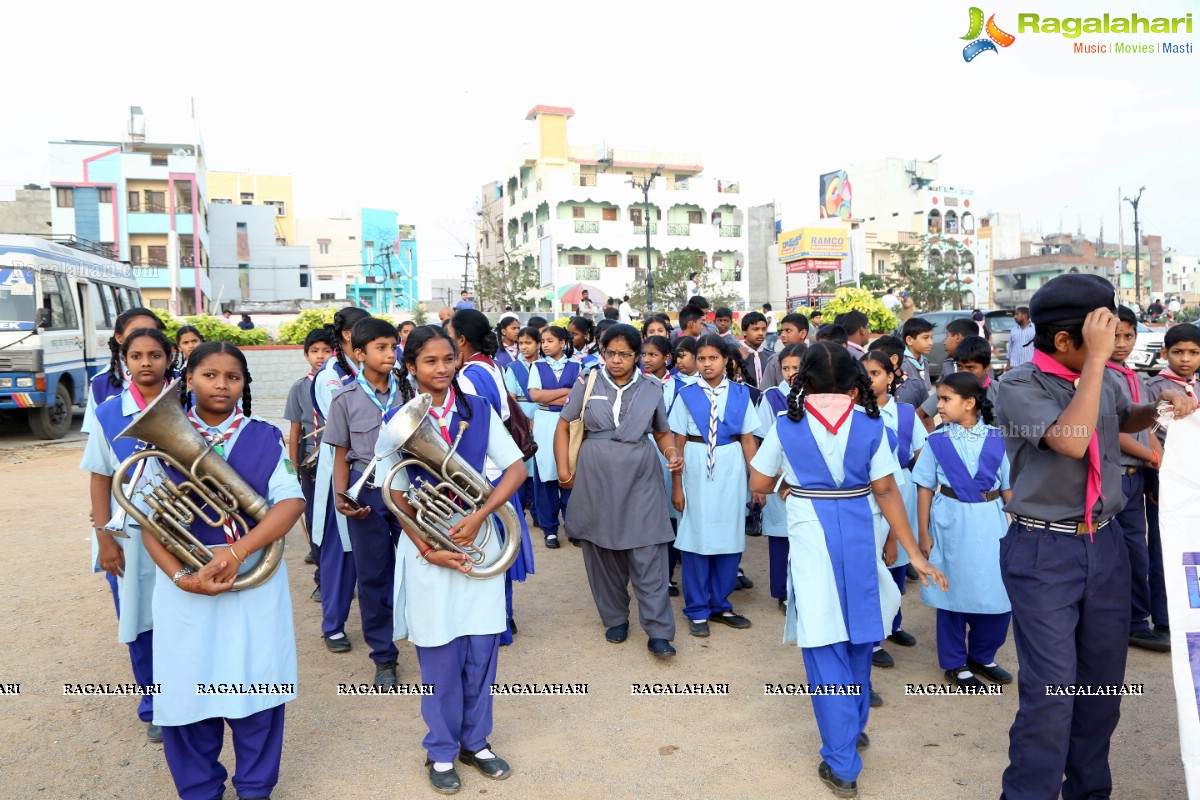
[(414, 106)]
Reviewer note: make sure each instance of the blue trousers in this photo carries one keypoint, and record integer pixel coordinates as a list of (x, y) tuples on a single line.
[(525, 494), (373, 542), (1158, 581), (141, 658), (898, 575), (707, 583), (459, 712), (193, 755), (548, 500), (338, 575), (1070, 610), (506, 638), (777, 551), (988, 632), (840, 718), (309, 488), (1133, 524), (672, 552)]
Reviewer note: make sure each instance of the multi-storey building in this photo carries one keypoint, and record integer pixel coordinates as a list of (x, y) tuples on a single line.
[(1181, 276), (575, 215), (244, 188), (248, 263), (368, 258)]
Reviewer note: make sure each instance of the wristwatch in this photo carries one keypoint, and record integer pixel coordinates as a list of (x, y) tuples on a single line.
[(175, 578)]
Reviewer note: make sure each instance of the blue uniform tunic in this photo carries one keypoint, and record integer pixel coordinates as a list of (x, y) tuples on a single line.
[(906, 436), (326, 385)]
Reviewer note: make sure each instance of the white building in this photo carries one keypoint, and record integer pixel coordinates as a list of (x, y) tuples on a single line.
[(1181, 276), (334, 251), (573, 214)]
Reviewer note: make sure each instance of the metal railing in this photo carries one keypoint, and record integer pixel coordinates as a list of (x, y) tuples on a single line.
[(587, 226), (525, 236), (524, 192), (541, 231), (679, 229), (539, 184), (640, 230), (731, 230)]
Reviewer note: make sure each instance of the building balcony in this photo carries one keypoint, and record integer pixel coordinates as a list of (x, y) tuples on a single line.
[(587, 226), (541, 230), (731, 230), (525, 237), (679, 229), (524, 192), (640, 230)]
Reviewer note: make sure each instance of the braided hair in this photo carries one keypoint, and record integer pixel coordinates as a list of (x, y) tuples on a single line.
[(685, 344), (163, 342), (473, 325), (967, 386), (564, 336), (830, 369), (885, 363), (504, 322), (421, 336), (205, 350), (343, 322), (114, 347), (533, 333), (719, 344)]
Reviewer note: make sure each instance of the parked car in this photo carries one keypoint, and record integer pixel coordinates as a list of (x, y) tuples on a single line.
[(999, 324), (1147, 349)]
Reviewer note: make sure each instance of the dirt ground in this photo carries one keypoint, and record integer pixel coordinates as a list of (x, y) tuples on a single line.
[(58, 619)]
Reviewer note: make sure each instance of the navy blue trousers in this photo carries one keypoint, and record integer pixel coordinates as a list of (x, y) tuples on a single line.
[(777, 552), (141, 658), (1070, 613), (988, 632), (549, 500), (1133, 524), (1158, 581), (459, 712), (840, 718), (193, 755), (898, 575), (338, 575), (373, 542), (308, 486), (707, 583)]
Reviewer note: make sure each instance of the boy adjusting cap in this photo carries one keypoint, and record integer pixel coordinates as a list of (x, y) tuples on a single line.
[(1071, 296)]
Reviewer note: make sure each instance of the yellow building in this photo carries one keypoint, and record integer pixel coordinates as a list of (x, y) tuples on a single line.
[(258, 190)]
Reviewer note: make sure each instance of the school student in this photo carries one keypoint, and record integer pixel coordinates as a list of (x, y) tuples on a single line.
[(834, 333), (858, 331), (906, 438), (917, 334), (187, 339), (507, 331), (112, 380), (961, 526), (298, 411), (146, 354), (205, 634), (516, 381), (1181, 348), (972, 354), (454, 621), (1064, 560), (328, 529), (583, 342), (793, 332), (352, 429), (683, 365), (550, 383), (757, 355), (840, 596), (774, 515), (723, 319), (656, 327), (657, 362), (714, 425), (956, 331)]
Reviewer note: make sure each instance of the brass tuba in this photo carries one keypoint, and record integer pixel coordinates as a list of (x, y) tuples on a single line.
[(413, 433), (207, 477)]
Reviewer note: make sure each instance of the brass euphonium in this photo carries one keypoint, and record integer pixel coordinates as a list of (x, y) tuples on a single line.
[(460, 489), (208, 481)]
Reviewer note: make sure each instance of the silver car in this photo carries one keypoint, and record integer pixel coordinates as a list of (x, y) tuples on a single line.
[(1145, 356)]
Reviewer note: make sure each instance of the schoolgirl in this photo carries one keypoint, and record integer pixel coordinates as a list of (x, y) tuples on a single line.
[(187, 339), (657, 360), (583, 342), (455, 622), (774, 516), (203, 633), (961, 527), (516, 380), (714, 423), (112, 380), (352, 429), (146, 352), (685, 369), (479, 375), (508, 331), (656, 327), (328, 530), (840, 594), (550, 383), (906, 435)]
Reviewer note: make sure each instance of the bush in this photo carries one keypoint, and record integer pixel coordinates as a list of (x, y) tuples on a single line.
[(850, 298), (213, 330), (310, 319)]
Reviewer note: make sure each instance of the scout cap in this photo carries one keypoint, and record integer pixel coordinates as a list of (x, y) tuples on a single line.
[(1071, 296)]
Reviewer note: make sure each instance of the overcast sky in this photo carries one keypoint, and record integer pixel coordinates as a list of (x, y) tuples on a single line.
[(413, 106)]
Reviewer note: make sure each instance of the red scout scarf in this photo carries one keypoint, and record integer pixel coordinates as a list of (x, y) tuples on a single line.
[(1048, 365)]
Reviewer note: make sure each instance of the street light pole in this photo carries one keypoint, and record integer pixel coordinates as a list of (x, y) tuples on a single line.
[(1137, 248), (644, 184)]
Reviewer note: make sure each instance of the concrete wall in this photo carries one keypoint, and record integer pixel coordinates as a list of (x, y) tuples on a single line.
[(274, 271), (765, 273), (28, 213), (274, 369)]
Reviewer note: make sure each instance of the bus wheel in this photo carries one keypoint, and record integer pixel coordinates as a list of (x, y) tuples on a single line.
[(53, 420)]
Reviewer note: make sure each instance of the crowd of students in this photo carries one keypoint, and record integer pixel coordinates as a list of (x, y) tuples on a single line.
[(862, 473)]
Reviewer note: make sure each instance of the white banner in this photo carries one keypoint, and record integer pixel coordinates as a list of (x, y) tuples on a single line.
[(1179, 519)]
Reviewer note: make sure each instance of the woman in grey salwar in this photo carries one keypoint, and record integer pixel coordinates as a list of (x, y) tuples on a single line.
[(618, 508)]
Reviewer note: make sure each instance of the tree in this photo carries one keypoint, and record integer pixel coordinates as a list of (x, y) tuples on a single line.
[(929, 271), (851, 298), (502, 278), (670, 285)]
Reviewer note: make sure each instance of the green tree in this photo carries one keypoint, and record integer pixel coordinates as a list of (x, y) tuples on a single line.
[(851, 298), (670, 285), (503, 278), (294, 332), (930, 271)]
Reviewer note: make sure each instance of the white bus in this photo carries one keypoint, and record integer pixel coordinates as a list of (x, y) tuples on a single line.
[(58, 304)]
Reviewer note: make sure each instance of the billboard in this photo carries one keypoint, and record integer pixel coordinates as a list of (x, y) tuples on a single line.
[(835, 195), (821, 243)]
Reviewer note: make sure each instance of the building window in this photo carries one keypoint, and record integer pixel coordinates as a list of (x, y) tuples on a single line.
[(279, 207), (579, 259), (577, 212), (327, 295), (369, 249), (135, 254), (610, 259), (104, 195), (65, 197), (158, 255), (934, 224), (156, 202), (135, 201), (281, 241), (632, 261), (158, 159), (695, 217), (303, 280), (635, 216), (221, 201), (247, 198), (879, 266), (609, 214), (323, 246)]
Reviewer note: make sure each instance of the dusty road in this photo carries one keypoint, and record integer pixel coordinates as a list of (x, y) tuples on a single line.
[(58, 621)]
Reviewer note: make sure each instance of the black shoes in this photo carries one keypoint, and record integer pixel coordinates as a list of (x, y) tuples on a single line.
[(495, 767), (697, 628), (339, 645), (994, 674), (1155, 640), (782, 606), (964, 683), (660, 648), (385, 675), (617, 633), (446, 782), (154, 733), (316, 595), (910, 572), (839, 787), (876, 699), (743, 582), (308, 558), (863, 742), (574, 541), (882, 658), (731, 619), (903, 638), (673, 589), (552, 541)]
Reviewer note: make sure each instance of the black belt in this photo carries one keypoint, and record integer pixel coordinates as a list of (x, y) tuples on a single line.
[(598, 435), (702, 440), (544, 407), (361, 466), (988, 497), (831, 494), (1072, 527)]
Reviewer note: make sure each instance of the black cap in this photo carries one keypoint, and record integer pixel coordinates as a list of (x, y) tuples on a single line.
[(1071, 296)]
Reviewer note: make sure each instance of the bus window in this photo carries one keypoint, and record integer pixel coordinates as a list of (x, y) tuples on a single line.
[(16, 298), (118, 301), (57, 298), (100, 316), (128, 297)]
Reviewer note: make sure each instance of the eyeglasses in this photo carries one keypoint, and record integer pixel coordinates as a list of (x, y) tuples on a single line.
[(616, 354)]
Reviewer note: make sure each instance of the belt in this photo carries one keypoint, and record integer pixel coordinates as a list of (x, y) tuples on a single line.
[(1074, 528), (598, 434), (831, 494), (702, 440), (988, 497), (1130, 471), (544, 407), (361, 466)]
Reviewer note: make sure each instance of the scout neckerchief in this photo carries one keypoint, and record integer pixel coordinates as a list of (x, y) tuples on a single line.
[(217, 441), (1135, 390), (1188, 386), (136, 394), (312, 376), (1094, 481), (713, 393), (916, 362), (831, 410), (443, 418), (369, 390), (620, 390)]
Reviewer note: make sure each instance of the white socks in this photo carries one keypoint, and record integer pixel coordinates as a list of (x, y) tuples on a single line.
[(443, 766), (337, 636), (963, 674), (485, 754)]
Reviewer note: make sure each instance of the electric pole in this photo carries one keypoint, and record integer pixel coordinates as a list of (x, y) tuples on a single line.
[(466, 265), (644, 184), (391, 285), (1137, 248)]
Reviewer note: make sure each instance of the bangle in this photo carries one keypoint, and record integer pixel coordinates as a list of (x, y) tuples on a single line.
[(235, 555), (178, 575), (425, 552)]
